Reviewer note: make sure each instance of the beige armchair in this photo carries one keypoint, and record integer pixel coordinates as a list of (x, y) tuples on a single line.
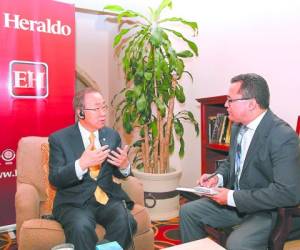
[(34, 198)]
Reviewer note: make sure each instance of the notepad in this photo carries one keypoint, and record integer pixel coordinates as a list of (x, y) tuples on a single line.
[(199, 190)]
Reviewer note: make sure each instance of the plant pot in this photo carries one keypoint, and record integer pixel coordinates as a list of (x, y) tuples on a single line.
[(161, 198)]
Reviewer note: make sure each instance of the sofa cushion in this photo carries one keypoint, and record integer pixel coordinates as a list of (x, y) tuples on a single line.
[(29, 159), (39, 234), (47, 205)]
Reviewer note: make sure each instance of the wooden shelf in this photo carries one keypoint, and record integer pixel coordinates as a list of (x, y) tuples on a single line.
[(210, 152), (222, 147)]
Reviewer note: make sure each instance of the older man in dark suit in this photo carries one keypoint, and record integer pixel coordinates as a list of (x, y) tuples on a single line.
[(83, 160), (262, 172)]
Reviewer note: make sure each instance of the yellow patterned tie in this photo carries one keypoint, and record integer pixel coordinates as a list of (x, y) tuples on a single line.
[(100, 195)]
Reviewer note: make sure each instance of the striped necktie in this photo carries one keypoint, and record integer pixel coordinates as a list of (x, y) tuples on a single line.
[(100, 195), (238, 152)]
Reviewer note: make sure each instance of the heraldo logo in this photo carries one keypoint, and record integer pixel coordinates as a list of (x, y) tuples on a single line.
[(28, 79), (45, 26)]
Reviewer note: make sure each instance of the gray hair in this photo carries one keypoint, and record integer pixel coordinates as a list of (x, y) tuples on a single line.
[(78, 100)]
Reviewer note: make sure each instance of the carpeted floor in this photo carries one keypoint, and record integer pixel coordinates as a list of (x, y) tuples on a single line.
[(8, 241), (166, 235)]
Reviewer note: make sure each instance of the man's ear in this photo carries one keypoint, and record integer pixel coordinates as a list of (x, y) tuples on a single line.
[(252, 104), (80, 114)]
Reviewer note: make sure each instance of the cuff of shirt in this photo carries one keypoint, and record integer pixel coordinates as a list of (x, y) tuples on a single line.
[(79, 171), (230, 199), (220, 180), (125, 171)]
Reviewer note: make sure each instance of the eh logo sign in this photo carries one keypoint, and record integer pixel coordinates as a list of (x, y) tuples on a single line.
[(28, 79)]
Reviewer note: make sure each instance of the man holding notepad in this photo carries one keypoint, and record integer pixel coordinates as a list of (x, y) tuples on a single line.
[(261, 174)]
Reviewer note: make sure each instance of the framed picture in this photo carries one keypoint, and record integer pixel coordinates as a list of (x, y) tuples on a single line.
[(298, 126)]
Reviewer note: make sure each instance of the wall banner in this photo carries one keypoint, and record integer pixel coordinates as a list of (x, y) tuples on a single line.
[(37, 77)]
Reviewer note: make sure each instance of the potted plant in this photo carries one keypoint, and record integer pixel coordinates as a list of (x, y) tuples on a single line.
[(153, 70)]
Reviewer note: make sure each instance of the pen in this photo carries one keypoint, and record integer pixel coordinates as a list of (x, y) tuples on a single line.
[(211, 176)]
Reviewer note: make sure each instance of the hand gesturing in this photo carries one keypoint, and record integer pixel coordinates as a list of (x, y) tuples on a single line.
[(119, 158)]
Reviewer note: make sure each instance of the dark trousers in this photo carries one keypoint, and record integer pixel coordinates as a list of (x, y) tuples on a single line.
[(252, 233), (79, 223)]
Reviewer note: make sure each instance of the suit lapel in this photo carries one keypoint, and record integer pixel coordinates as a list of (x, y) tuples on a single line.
[(77, 143), (258, 140), (104, 138)]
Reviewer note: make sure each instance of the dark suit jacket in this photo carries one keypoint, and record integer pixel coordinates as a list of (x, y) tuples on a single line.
[(271, 173), (66, 146)]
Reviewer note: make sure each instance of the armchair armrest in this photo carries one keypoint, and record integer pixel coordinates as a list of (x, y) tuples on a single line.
[(27, 204), (134, 188), (283, 227)]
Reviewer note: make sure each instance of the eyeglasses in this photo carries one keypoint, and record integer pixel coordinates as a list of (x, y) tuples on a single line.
[(98, 109), (229, 100)]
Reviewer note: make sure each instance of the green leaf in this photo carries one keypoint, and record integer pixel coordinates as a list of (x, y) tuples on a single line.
[(191, 44), (190, 75), (171, 144), (190, 115), (185, 54), (196, 126), (139, 77), (126, 13), (193, 25), (133, 116), (142, 133), (141, 103), (192, 119), (130, 96), (119, 36), (153, 126), (181, 150), (114, 8), (179, 130), (148, 76), (163, 5), (156, 37), (126, 122), (179, 67), (131, 14), (137, 90), (161, 107), (179, 94)]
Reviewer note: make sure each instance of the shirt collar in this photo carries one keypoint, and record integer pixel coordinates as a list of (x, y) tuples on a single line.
[(85, 133), (254, 124)]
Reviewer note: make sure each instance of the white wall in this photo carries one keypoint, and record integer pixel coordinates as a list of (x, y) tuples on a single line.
[(245, 36), (234, 37)]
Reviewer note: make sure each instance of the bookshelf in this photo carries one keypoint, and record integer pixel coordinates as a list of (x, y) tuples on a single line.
[(211, 151)]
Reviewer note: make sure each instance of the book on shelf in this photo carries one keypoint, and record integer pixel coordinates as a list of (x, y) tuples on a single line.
[(228, 132), (219, 128), (211, 122), (223, 129), (216, 129)]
